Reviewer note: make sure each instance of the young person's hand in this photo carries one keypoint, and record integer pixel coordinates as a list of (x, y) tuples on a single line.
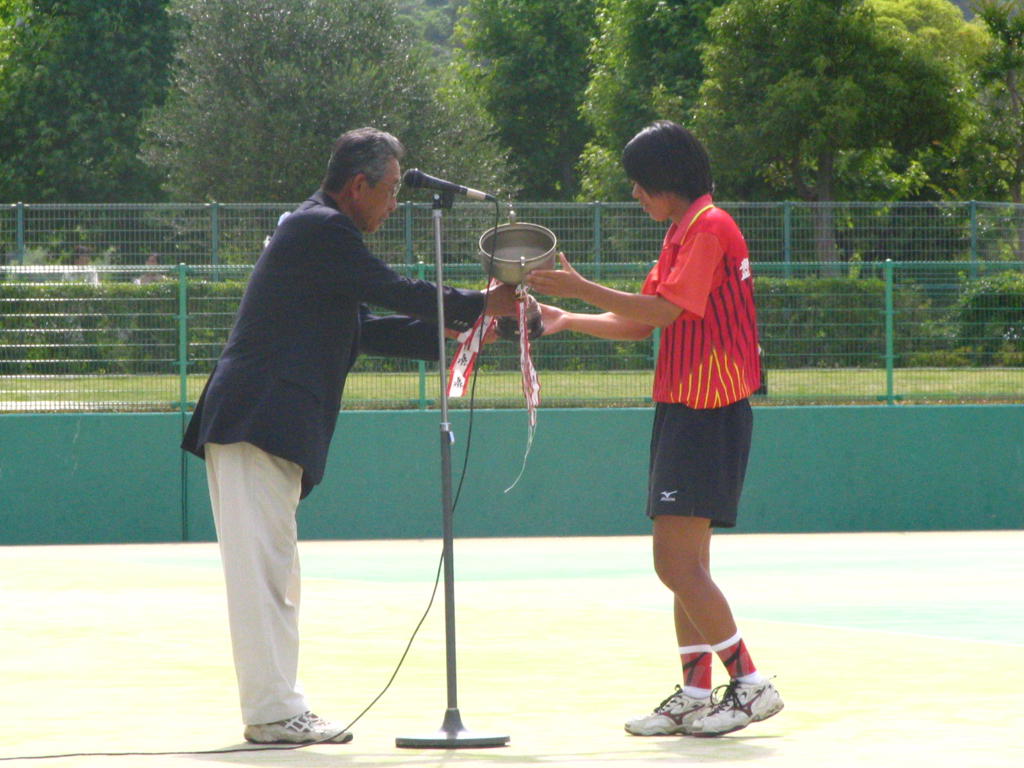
[(565, 282), (555, 319)]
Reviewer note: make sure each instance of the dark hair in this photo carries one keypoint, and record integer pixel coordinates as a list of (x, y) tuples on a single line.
[(363, 150), (665, 157)]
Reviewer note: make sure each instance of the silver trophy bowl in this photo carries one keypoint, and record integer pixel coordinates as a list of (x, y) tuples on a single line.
[(521, 248)]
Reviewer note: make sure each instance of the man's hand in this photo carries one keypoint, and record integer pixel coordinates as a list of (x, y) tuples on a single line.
[(489, 338), (508, 327), (502, 301)]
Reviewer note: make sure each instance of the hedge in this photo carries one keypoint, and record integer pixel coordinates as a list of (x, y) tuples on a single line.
[(990, 319)]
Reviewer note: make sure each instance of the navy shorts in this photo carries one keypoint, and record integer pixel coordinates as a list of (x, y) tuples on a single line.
[(698, 461)]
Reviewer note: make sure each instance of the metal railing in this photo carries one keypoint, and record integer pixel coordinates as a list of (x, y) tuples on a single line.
[(145, 338)]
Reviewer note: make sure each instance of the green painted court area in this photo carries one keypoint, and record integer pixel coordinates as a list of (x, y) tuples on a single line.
[(890, 650)]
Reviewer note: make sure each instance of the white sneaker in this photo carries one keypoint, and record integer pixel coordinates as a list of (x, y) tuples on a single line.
[(675, 714), (301, 729), (740, 705)]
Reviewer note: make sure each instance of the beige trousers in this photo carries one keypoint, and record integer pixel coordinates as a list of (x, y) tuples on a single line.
[(254, 497)]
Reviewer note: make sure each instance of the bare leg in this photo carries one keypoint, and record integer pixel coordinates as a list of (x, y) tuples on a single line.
[(682, 547), (686, 632)]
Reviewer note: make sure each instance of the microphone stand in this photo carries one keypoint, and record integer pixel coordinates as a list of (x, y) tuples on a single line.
[(453, 734)]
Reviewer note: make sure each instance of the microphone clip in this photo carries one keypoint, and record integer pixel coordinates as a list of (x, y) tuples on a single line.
[(443, 201)]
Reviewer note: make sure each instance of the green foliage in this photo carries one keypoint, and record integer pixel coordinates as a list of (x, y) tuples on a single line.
[(834, 322), (646, 65), (940, 358), (796, 88), (526, 63), (432, 21), (823, 323), (959, 167), (112, 328), (124, 328), (808, 99), (999, 137), (990, 319), (75, 79), (261, 90)]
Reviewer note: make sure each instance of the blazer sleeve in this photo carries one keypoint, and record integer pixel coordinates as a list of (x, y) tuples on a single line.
[(397, 336), (365, 278)]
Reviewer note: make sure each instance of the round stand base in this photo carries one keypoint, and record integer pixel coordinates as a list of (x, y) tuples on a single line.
[(452, 735)]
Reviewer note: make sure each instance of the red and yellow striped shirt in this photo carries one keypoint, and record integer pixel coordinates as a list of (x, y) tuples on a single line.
[(708, 357)]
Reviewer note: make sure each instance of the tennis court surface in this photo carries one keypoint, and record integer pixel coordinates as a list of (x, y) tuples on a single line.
[(889, 649)]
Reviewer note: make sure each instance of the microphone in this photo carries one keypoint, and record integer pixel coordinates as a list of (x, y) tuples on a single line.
[(416, 179)]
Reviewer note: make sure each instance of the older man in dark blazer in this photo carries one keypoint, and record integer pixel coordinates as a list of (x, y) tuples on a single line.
[(266, 416)]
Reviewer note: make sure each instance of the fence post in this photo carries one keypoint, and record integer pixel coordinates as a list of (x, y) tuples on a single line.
[(787, 237), (973, 207), (409, 256), (889, 333), (597, 239), (183, 388), (421, 365), (214, 233), (183, 338), (20, 229)]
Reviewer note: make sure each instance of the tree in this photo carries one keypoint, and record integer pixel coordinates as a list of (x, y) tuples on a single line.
[(997, 149), (795, 89), (262, 88), (645, 66), (433, 21), (950, 169), (526, 62), (75, 79), (1001, 81)]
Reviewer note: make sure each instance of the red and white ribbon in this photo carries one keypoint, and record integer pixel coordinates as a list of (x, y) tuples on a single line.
[(470, 343), (531, 382), (461, 368)]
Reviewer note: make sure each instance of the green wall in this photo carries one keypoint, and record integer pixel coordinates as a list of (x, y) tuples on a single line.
[(89, 478)]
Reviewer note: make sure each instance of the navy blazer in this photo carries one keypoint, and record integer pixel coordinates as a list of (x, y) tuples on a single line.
[(300, 326)]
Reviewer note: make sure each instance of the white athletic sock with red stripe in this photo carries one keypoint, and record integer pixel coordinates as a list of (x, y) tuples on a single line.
[(696, 670), (734, 655)]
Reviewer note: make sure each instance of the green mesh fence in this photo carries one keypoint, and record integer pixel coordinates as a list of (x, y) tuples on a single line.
[(836, 235), (906, 331), (145, 338), (126, 307)]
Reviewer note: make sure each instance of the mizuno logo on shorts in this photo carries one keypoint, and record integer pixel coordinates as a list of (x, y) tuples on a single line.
[(668, 496)]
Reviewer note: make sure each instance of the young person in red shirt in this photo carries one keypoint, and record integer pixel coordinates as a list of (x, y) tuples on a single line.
[(700, 293)]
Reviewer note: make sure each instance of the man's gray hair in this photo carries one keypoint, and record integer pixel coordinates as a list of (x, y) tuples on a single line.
[(363, 150)]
